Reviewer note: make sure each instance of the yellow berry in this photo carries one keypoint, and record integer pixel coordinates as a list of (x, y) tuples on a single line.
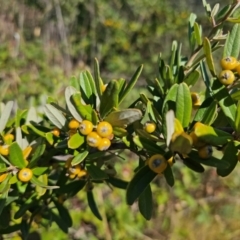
[(238, 69), (85, 127), (4, 150), (56, 132), (82, 173), (74, 170), (8, 137), (196, 102), (226, 77), (93, 139), (25, 174), (73, 124), (104, 129), (3, 176), (157, 163), (149, 127), (229, 63), (205, 152), (104, 144)]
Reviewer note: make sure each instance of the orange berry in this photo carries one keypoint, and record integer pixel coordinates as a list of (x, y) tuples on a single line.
[(205, 152), (73, 124), (104, 129), (25, 174), (85, 127), (56, 132), (93, 139), (104, 144), (157, 163)]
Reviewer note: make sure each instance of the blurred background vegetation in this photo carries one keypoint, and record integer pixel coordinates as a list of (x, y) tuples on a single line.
[(44, 42)]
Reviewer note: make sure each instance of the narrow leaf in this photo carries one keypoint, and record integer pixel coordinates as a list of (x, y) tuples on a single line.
[(139, 183), (145, 203), (55, 116), (5, 115), (232, 45), (131, 83), (93, 206)]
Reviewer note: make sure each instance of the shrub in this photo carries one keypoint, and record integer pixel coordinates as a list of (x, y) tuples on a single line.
[(45, 157)]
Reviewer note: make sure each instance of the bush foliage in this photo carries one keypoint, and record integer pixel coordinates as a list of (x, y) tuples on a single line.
[(47, 155)]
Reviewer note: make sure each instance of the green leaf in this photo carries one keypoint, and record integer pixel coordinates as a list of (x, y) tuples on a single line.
[(237, 120), (193, 165), (5, 115), (148, 145), (198, 33), (168, 174), (207, 112), (221, 14), (74, 83), (44, 179), (75, 141), (49, 137), (131, 83), (212, 136), (96, 173), (212, 161), (72, 188), (232, 45), (87, 88), (55, 116), (85, 111), (69, 91), (39, 171), (25, 206), (109, 99), (117, 182), (64, 214), (139, 183), (32, 116), (37, 182), (38, 151), (119, 132), (79, 157), (208, 52), (192, 78), (97, 78), (171, 97), (36, 130), (92, 205), (205, 76), (145, 203), (183, 104), (16, 156), (59, 221), (2, 204), (230, 156), (124, 117), (225, 101)]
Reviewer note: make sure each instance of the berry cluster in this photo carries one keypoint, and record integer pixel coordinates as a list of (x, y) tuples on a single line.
[(99, 136), (230, 65)]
